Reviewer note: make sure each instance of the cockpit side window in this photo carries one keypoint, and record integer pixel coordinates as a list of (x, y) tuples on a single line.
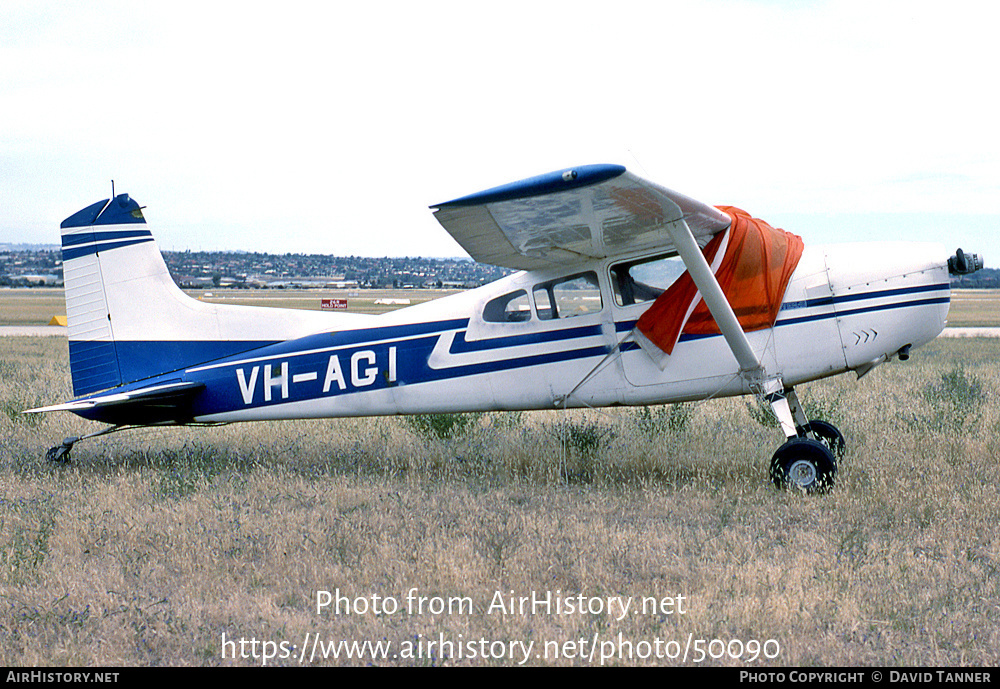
[(575, 295), (644, 279), (510, 308)]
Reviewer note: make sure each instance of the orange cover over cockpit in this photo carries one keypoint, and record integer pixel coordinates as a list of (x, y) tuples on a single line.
[(753, 274)]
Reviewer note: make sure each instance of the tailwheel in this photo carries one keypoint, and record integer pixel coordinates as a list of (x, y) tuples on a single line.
[(60, 453), (804, 464), (829, 435)]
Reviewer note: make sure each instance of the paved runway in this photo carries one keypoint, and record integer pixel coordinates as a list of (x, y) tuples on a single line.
[(971, 332), (32, 330)]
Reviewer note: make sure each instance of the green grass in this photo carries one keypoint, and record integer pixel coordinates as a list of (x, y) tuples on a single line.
[(152, 544)]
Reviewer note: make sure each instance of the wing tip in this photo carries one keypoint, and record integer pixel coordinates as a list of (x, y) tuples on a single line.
[(549, 183)]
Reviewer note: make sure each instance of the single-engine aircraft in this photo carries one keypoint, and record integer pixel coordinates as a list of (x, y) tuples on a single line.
[(629, 294)]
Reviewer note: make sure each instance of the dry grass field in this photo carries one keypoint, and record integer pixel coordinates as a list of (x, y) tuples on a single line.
[(192, 546), (974, 308), (31, 306)]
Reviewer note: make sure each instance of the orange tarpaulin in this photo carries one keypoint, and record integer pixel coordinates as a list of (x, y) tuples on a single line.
[(753, 274)]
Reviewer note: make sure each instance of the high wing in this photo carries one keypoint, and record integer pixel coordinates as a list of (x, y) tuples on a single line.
[(598, 211), (563, 217)]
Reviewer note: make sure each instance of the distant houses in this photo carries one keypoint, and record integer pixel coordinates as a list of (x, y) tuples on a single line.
[(26, 267), (41, 266), (304, 271), (36, 280)]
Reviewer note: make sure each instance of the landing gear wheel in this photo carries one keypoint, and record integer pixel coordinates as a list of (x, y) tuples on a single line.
[(829, 435), (60, 453), (804, 464)]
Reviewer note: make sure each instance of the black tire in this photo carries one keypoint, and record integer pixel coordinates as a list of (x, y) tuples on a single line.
[(804, 464), (58, 454), (829, 435)]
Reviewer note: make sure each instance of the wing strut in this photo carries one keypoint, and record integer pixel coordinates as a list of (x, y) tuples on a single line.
[(770, 388), (714, 297)]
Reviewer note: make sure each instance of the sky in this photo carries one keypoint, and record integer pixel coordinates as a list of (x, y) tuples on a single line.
[(330, 127)]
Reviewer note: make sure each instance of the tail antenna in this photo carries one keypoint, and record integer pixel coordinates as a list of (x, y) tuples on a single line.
[(112, 188)]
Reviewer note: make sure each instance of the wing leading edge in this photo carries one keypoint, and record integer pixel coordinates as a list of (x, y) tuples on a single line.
[(582, 213)]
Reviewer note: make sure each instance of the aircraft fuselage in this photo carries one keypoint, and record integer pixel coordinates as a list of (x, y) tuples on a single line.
[(847, 307)]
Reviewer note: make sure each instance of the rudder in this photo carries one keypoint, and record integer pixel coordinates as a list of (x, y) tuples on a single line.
[(105, 225)]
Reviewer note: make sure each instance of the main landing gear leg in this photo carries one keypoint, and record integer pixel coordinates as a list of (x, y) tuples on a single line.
[(808, 459)]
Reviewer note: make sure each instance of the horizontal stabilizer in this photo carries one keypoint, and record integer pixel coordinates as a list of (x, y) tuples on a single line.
[(166, 403)]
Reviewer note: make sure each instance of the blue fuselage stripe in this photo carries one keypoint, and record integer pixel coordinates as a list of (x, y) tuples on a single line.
[(625, 326), (461, 346), (845, 298), (307, 363), (866, 309), (333, 363)]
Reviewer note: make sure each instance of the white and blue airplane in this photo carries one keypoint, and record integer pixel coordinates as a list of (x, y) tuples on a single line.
[(629, 294)]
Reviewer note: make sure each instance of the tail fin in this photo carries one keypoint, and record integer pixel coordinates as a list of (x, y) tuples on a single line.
[(106, 225), (127, 319)]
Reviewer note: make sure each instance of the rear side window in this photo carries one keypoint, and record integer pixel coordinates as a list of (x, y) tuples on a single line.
[(575, 295), (510, 308)]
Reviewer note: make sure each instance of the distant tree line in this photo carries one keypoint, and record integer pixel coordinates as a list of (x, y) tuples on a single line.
[(987, 278), (241, 269), (30, 268)]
